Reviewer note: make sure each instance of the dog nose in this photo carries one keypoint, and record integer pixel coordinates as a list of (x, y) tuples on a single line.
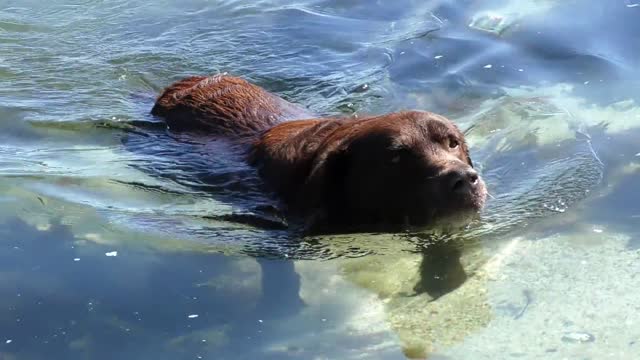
[(463, 181)]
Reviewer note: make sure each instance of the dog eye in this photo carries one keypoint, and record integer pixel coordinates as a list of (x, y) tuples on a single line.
[(453, 143)]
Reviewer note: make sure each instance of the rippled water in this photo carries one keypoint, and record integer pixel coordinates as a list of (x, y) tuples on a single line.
[(117, 240)]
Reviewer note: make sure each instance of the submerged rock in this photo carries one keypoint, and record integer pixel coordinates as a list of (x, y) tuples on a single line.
[(578, 337), (498, 21)]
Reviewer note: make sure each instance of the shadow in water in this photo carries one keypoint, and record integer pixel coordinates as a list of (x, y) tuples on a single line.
[(440, 270)]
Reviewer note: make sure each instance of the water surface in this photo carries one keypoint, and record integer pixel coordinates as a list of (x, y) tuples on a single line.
[(116, 239)]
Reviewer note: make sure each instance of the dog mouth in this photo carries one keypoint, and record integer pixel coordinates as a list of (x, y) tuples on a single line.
[(472, 199), (443, 221), (457, 207)]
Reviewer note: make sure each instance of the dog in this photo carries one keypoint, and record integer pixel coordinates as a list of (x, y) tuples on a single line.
[(391, 172)]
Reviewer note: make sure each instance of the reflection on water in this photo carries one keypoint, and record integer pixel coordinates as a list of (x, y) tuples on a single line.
[(121, 240)]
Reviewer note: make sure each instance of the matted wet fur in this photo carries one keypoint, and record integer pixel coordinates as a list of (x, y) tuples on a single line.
[(409, 168), (222, 104)]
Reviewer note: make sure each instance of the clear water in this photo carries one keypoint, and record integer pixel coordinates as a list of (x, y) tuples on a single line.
[(114, 243)]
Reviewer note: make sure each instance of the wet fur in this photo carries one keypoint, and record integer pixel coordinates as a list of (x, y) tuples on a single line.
[(223, 105), (338, 172)]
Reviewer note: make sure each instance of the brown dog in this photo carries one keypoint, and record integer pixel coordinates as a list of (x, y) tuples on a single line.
[(381, 172)]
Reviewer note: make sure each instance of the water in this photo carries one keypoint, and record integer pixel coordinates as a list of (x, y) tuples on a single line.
[(546, 91)]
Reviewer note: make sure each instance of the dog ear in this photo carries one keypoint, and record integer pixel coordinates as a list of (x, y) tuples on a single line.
[(324, 194)]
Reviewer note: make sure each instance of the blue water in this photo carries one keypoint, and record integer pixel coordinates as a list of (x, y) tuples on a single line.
[(115, 237)]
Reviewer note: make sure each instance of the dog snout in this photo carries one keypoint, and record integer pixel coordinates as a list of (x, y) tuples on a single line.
[(463, 181)]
